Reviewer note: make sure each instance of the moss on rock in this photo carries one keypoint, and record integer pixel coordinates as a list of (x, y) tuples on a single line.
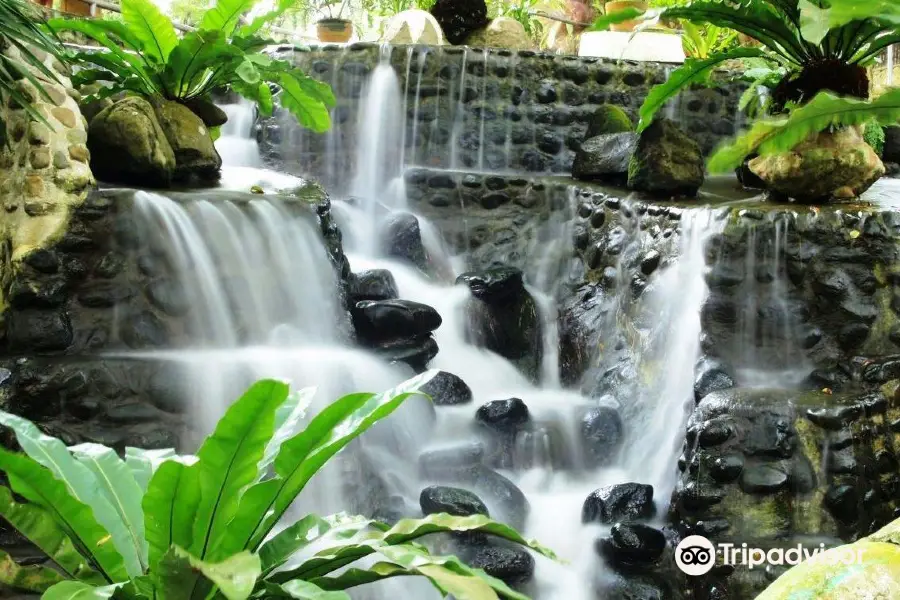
[(609, 118), (666, 161)]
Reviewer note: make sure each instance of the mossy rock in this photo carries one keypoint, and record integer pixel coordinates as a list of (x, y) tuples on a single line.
[(128, 145), (874, 136), (608, 118), (666, 162), (195, 153)]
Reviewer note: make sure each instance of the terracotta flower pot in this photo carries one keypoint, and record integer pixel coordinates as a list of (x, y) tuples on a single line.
[(334, 31), (615, 6), (76, 7)]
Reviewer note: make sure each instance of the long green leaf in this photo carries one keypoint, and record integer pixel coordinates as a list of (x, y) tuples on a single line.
[(76, 590), (235, 577), (603, 22), (693, 71), (78, 480), (33, 578), (37, 484), (155, 30), (814, 25), (170, 506), (306, 99), (842, 12), (39, 527), (117, 483), (772, 136), (143, 463), (302, 456), (224, 15), (290, 414), (407, 530), (308, 530), (304, 590), (229, 459)]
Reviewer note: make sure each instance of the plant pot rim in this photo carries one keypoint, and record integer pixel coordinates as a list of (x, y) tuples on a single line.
[(333, 20)]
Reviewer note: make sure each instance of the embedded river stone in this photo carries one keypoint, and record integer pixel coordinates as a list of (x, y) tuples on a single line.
[(447, 389), (451, 500), (620, 502), (382, 320), (632, 544)]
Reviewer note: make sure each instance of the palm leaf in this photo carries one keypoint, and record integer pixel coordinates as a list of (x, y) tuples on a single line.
[(39, 527), (37, 484), (235, 577), (307, 99), (34, 578), (693, 71), (224, 15), (76, 590), (301, 457), (151, 27), (78, 480), (229, 459), (118, 485), (303, 590), (772, 136), (170, 506)]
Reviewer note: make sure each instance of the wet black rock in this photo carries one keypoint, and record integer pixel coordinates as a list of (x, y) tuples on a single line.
[(635, 586), (605, 157), (43, 261), (168, 296), (666, 161), (726, 469), (511, 564), (460, 18), (503, 416), (503, 317), (384, 320), (714, 432), (447, 389), (145, 330), (38, 330), (449, 460), (842, 501), (601, 431), (763, 479), (415, 352), (496, 285), (711, 377), (451, 500), (375, 284), (621, 502), (632, 544), (402, 238)]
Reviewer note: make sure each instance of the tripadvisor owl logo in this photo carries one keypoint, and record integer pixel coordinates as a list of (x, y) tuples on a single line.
[(695, 555)]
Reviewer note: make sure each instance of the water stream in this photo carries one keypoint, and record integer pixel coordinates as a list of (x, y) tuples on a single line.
[(282, 321)]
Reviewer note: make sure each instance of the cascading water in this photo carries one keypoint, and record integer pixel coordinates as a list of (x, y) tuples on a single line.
[(282, 321)]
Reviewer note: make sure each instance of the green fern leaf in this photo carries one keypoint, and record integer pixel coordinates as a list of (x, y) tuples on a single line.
[(772, 136), (224, 15), (151, 27), (693, 71)]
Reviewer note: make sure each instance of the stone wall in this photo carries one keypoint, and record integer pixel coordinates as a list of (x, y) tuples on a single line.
[(489, 110)]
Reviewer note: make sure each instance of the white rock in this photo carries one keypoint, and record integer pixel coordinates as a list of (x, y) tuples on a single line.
[(413, 27)]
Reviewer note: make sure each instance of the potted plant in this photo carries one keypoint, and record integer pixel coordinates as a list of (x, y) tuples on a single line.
[(614, 6), (331, 27)]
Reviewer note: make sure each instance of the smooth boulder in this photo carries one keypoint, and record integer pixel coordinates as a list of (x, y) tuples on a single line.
[(127, 145), (195, 153), (502, 32), (632, 544), (447, 389), (383, 320), (503, 416), (601, 431), (413, 27), (666, 161), (451, 500), (826, 167), (511, 564), (605, 157), (402, 239), (622, 502), (374, 284), (608, 118)]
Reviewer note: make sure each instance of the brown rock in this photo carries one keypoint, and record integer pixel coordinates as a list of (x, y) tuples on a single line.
[(38, 134), (60, 160), (34, 186), (195, 154), (64, 116), (57, 96), (80, 153), (40, 158), (76, 136)]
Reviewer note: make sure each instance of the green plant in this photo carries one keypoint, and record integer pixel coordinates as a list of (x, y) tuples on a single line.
[(161, 526), (703, 41), (18, 29), (823, 46), (145, 56), (874, 136)]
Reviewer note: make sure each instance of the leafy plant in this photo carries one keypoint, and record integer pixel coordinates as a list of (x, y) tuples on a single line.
[(160, 526), (19, 30), (145, 56), (822, 47), (703, 41)]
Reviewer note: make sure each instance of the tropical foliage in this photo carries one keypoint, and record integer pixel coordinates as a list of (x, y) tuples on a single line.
[(18, 30), (821, 46), (145, 56), (160, 526)]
